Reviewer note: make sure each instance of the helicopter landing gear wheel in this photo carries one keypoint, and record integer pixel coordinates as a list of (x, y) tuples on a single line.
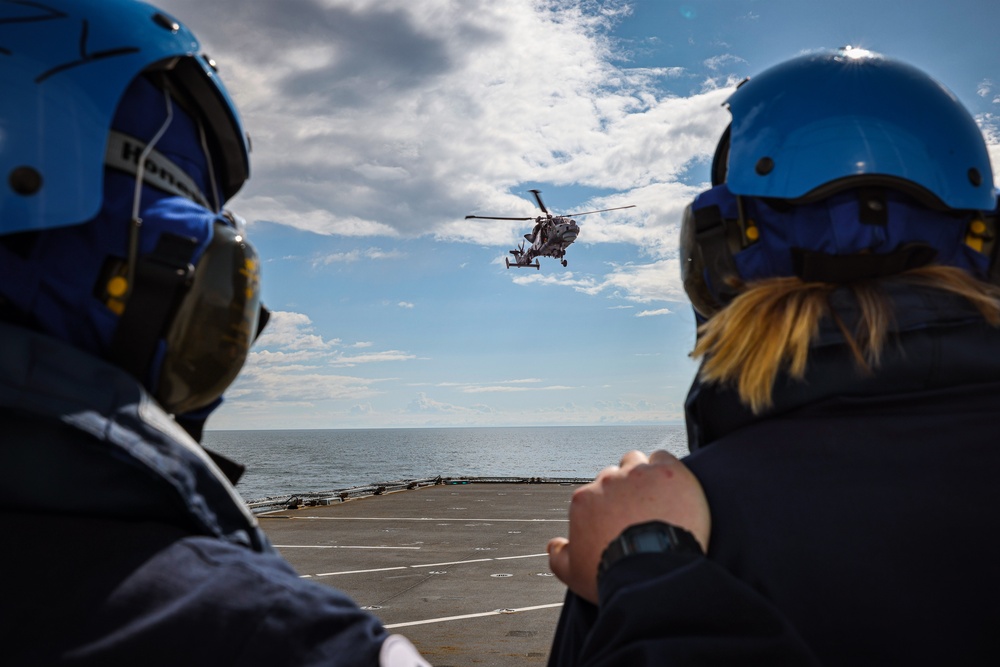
[(564, 262)]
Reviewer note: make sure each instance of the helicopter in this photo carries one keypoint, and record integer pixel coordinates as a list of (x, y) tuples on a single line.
[(550, 236)]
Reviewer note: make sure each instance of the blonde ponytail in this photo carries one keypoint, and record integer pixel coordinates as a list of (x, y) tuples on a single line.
[(770, 326)]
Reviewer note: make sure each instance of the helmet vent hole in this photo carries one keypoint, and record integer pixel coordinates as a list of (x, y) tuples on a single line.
[(975, 177), (166, 22), (25, 180), (764, 166)]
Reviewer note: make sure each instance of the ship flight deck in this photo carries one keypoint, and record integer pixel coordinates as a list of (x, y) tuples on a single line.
[(458, 565)]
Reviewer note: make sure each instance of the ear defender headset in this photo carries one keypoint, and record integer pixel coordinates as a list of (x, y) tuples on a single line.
[(188, 291), (837, 167), (119, 146)]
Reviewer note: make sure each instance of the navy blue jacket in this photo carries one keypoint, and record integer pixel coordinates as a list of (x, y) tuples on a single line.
[(853, 524), (124, 544)]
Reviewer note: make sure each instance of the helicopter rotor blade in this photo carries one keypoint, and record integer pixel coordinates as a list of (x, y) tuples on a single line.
[(493, 217), (616, 208), (538, 198)]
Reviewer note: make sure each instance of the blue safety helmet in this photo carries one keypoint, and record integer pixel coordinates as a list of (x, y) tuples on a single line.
[(826, 121), (64, 66), (119, 146), (840, 166)]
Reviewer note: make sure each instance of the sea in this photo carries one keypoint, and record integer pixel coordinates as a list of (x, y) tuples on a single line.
[(308, 461)]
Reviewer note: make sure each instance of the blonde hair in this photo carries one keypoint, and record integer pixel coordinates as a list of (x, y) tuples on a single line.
[(769, 327)]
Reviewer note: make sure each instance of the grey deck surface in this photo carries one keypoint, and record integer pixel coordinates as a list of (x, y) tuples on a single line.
[(459, 569)]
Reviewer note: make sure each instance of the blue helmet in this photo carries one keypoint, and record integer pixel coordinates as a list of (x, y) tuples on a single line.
[(64, 68), (838, 167), (826, 121), (119, 146)]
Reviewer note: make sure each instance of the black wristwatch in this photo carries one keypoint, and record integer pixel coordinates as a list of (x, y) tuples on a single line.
[(649, 537)]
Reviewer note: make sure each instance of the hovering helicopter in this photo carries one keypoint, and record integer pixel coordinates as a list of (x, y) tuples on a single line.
[(550, 237)]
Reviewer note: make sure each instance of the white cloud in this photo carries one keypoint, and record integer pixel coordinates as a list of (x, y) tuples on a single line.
[(989, 123), (640, 283), (379, 173), (374, 357), (723, 60), (659, 281), (357, 255), (423, 404), (498, 387), (505, 388), (292, 364), (288, 210), (397, 117), (291, 331)]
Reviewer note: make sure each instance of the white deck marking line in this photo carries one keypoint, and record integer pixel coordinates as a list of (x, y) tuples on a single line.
[(464, 616), (377, 569), (456, 562), (405, 567), (421, 518), (334, 546)]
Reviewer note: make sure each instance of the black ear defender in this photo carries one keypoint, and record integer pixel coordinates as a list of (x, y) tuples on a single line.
[(198, 321), (708, 270), (214, 325), (712, 232)]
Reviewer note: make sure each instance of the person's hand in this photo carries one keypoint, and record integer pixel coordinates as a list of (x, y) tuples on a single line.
[(641, 489)]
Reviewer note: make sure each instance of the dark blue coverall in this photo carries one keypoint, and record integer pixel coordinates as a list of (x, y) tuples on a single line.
[(855, 523)]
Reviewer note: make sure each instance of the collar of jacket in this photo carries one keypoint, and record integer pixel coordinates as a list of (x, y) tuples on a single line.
[(82, 436), (937, 341)]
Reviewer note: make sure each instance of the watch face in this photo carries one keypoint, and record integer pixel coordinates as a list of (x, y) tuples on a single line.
[(649, 541)]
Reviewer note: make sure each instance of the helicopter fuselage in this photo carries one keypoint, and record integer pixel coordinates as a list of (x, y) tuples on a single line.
[(549, 238)]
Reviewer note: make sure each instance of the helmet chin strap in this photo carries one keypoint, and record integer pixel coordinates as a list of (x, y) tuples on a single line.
[(136, 222)]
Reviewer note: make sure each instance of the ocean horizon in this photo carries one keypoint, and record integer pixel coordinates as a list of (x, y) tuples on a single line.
[(288, 462)]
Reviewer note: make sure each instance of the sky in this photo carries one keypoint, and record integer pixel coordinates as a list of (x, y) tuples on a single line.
[(378, 125)]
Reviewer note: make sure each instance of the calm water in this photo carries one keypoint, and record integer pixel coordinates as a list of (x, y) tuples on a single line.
[(286, 462)]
